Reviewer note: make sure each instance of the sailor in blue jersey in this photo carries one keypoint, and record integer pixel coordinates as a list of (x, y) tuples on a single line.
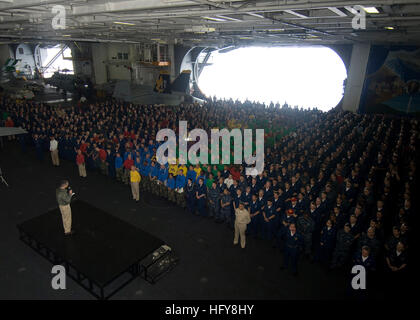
[(162, 179), (171, 187)]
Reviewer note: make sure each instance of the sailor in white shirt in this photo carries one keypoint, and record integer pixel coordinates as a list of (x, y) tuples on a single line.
[(54, 151), (229, 181)]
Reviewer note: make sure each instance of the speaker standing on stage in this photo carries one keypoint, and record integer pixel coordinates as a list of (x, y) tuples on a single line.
[(64, 195)]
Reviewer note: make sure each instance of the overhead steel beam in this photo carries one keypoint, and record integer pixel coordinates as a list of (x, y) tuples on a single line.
[(28, 4), (295, 13), (337, 11)]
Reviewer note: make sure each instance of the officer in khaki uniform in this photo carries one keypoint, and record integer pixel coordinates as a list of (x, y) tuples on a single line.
[(63, 198), (242, 218), (54, 152), (135, 181)]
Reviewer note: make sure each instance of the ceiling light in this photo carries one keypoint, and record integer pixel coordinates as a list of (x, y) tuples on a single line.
[(124, 23), (228, 18), (256, 15), (215, 19), (200, 29), (389, 28), (370, 9)]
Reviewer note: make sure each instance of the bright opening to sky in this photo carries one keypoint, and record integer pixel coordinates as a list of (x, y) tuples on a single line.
[(306, 77), (61, 63)]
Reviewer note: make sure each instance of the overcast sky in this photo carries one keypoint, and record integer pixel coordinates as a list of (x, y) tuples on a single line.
[(304, 76)]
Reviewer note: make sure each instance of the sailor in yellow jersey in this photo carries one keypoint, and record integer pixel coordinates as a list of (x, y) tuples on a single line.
[(173, 168), (135, 181), (197, 170)]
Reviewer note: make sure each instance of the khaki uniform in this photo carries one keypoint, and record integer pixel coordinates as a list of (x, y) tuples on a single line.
[(66, 217), (63, 199), (135, 191), (54, 152), (54, 157), (82, 170), (241, 221)]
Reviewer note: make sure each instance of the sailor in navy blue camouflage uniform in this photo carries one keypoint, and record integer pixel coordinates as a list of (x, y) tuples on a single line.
[(278, 205), (343, 247), (225, 206), (233, 188), (254, 186), (255, 213), (201, 194), (214, 202), (190, 195), (305, 226), (293, 245), (364, 258), (38, 147), (327, 243), (238, 198), (221, 186), (247, 195), (287, 217), (269, 220)]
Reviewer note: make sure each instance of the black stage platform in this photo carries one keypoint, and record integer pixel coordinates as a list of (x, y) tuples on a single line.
[(103, 255)]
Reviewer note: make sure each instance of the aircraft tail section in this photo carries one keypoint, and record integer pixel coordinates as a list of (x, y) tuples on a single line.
[(182, 82)]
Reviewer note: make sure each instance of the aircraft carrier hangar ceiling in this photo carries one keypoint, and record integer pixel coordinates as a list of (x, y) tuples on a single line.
[(211, 23)]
